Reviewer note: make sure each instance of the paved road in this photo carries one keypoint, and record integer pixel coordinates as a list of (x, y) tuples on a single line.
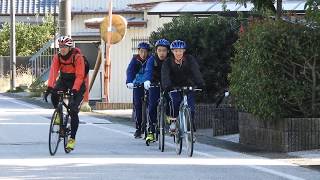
[(107, 150)]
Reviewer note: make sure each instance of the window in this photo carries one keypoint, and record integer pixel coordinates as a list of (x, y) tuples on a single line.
[(135, 41)]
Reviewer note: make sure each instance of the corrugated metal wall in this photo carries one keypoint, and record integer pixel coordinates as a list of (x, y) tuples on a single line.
[(78, 26)]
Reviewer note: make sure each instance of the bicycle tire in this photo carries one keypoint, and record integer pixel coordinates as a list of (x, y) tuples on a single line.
[(158, 127), (177, 138), (189, 131), (144, 120), (54, 134), (161, 122)]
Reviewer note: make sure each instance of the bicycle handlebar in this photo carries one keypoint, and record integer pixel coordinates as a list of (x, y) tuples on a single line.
[(185, 88), (63, 93), (141, 85)]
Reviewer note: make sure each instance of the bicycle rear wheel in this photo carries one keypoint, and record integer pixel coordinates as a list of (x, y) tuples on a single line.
[(144, 129), (188, 131), (161, 122), (54, 133), (177, 137)]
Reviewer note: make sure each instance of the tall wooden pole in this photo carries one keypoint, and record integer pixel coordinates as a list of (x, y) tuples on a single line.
[(107, 66)]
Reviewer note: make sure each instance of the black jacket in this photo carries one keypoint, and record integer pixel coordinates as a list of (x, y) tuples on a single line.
[(176, 75)]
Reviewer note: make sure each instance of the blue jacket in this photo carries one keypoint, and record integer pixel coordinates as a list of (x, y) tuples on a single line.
[(153, 70), (136, 69)]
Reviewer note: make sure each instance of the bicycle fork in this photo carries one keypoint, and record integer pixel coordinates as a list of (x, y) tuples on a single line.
[(182, 117)]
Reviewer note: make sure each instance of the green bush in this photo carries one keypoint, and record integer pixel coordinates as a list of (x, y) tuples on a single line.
[(210, 41), (275, 71), (29, 38)]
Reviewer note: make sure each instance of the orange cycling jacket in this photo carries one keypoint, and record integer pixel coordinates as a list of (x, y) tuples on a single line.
[(77, 68)]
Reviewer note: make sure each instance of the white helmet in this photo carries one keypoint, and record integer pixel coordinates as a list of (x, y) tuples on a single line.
[(65, 41)]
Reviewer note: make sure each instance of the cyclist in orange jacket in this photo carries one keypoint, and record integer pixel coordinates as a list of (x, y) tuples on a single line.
[(69, 65)]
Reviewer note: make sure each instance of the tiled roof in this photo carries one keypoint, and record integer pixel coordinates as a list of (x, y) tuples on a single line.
[(78, 6), (216, 7), (29, 6)]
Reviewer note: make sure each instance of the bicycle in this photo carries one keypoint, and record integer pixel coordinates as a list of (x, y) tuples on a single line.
[(60, 131), (184, 122), (161, 122)]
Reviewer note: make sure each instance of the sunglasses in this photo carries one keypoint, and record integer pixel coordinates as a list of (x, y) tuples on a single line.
[(63, 46)]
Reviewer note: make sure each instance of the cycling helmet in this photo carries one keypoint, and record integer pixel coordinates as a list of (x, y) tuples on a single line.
[(144, 45), (178, 44), (163, 42), (65, 41)]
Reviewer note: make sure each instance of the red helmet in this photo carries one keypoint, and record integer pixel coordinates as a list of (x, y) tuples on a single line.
[(65, 41)]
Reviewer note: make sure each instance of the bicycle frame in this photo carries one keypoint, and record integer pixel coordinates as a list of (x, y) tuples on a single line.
[(62, 104), (182, 118), (184, 122)]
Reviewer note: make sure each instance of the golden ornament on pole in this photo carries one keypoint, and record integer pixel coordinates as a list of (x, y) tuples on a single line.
[(119, 28)]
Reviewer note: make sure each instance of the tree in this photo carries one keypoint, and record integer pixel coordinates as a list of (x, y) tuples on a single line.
[(313, 12), (30, 38), (262, 5)]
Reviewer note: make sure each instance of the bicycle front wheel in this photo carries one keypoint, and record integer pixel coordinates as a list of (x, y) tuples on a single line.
[(188, 131), (54, 133), (178, 137)]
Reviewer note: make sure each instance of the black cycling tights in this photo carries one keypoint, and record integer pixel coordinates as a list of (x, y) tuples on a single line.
[(74, 124)]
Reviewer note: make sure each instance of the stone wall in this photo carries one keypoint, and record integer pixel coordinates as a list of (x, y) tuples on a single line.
[(105, 106), (284, 135)]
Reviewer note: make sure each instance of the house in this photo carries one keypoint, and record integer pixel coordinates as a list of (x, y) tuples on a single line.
[(140, 25)]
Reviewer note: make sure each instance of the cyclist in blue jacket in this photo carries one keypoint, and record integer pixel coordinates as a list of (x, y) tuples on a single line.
[(135, 79), (153, 76), (180, 70)]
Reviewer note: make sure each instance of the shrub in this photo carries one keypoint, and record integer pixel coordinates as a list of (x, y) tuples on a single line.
[(29, 38), (275, 71)]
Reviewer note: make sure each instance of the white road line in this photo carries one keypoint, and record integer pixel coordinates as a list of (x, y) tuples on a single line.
[(263, 169), (18, 102), (270, 171), (19, 123)]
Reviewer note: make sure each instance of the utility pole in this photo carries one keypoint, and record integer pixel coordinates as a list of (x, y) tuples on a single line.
[(279, 9), (13, 71), (65, 17)]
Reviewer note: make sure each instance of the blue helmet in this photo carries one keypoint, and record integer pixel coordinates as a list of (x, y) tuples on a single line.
[(178, 44), (163, 42), (144, 45)]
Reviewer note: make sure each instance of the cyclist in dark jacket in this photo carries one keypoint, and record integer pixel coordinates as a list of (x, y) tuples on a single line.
[(153, 76), (179, 71), (135, 79)]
